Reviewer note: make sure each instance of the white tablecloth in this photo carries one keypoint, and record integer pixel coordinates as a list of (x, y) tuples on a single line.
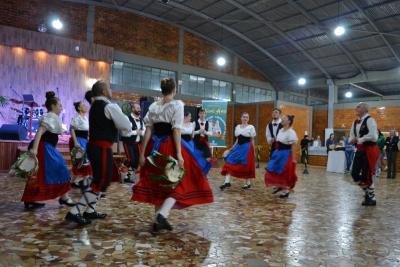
[(336, 161)]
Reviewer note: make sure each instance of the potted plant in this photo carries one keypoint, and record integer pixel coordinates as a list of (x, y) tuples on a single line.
[(3, 103)]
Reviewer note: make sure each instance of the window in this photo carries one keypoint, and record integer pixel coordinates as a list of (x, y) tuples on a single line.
[(205, 87), (250, 94), (138, 76)]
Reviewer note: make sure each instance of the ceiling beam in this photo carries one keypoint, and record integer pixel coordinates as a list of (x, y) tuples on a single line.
[(366, 89), (235, 32), (361, 10), (273, 27), (372, 76), (315, 22), (140, 13)]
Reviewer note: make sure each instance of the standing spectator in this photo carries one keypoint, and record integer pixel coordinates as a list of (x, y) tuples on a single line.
[(305, 142), (330, 143), (349, 152), (391, 152), (381, 144)]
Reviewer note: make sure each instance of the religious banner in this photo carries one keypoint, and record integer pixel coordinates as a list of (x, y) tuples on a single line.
[(216, 117)]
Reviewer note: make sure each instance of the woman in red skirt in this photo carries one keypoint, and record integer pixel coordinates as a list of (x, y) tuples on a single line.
[(239, 161), (53, 177), (163, 134), (281, 168), (79, 137)]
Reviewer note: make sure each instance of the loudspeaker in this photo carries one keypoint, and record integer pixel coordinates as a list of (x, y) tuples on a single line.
[(13, 132)]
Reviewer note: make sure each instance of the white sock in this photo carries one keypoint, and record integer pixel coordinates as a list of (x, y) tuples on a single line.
[(87, 199), (247, 182), (167, 206), (227, 179)]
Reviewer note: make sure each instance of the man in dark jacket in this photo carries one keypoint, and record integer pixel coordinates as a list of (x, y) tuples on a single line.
[(391, 152)]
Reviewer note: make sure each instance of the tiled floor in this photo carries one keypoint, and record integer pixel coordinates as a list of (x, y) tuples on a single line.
[(321, 224)]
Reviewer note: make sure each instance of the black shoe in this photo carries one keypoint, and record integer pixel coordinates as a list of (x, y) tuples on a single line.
[(65, 202), (94, 215), (33, 205), (247, 186), (284, 195), (369, 202), (102, 195), (225, 185), (276, 190), (77, 218), (161, 223)]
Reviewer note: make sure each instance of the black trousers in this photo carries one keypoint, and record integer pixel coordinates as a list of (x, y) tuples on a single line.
[(101, 160), (132, 154), (391, 163)]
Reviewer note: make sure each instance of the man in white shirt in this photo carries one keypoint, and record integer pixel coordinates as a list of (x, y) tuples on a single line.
[(364, 134), (201, 133), (105, 120), (131, 143), (273, 128)]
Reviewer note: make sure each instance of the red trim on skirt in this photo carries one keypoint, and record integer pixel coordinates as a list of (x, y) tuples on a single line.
[(84, 171), (372, 152), (247, 171), (104, 145), (286, 180), (193, 190), (36, 189)]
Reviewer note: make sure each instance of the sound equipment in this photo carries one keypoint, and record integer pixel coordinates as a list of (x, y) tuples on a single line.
[(13, 132)]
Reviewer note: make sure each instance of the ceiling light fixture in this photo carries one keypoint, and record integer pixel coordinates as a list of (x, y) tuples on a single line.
[(339, 31), (301, 81), (221, 61), (348, 94), (57, 24)]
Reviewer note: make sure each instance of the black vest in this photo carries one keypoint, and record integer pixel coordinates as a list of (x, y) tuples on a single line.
[(197, 127), (271, 129), (363, 130), (132, 138), (243, 139), (101, 128)]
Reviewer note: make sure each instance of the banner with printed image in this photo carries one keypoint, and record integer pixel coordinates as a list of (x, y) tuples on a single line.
[(216, 116)]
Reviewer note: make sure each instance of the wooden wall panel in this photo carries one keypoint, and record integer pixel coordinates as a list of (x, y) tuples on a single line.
[(247, 71), (35, 72), (10, 36), (29, 14), (201, 53), (387, 118), (318, 160), (136, 34), (320, 122)]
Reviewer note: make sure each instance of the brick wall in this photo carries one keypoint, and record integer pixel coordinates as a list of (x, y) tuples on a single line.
[(201, 53), (247, 71), (387, 118), (29, 14), (320, 122), (136, 34)]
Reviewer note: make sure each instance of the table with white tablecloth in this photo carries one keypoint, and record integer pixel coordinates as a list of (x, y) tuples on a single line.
[(336, 162)]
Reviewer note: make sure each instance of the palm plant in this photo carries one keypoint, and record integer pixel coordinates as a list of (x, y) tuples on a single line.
[(3, 103)]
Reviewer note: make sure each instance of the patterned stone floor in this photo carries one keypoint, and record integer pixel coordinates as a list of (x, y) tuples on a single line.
[(321, 224)]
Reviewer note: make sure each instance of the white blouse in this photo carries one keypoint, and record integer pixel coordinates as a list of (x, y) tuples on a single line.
[(287, 137), (52, 123), (80, 123), (248, 131), (171, 112), (187, 129)]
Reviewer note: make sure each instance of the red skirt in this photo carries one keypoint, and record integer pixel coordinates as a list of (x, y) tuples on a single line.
[(192, 190), (372, 152), (247, 171), (82, 172), (36, 189), (286, 180)]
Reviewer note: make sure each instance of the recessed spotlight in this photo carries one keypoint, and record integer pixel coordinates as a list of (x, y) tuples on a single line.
[(348, 94), (57, 24), (339, 31), (221, 61), (301, 81)]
